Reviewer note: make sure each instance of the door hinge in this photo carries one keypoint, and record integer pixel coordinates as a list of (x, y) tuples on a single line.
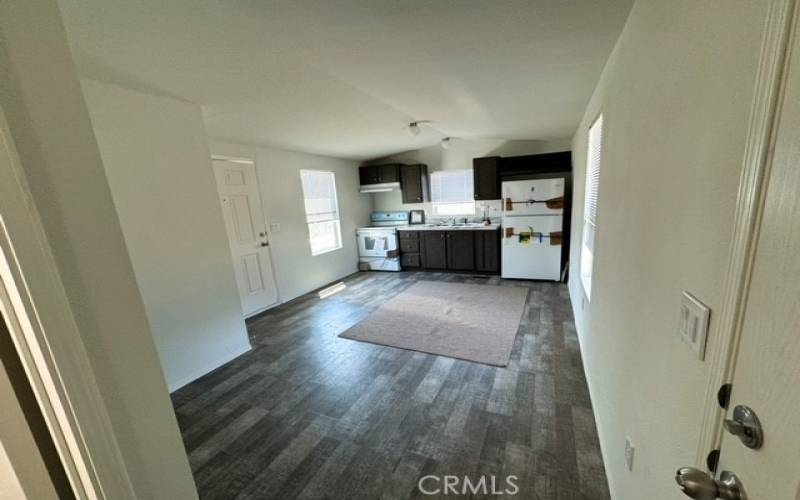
[(712, 461), (724, 395)]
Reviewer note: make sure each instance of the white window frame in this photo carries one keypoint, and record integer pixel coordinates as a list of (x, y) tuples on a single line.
[(327, 217), (594, 150), (452, 208)]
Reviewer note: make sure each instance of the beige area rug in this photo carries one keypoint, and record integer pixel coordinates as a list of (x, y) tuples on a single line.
[(458, 320)]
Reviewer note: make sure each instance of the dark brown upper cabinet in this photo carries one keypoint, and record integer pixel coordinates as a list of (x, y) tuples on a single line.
[(414, 183), (461, 250), (379, 174), (486, 177), (367, 175), (389, 173)]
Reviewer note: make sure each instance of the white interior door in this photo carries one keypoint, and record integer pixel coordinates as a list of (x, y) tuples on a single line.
[(767, 373), (247, 233)]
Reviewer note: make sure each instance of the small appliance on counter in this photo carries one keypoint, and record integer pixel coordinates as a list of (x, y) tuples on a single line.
[(378, 248)]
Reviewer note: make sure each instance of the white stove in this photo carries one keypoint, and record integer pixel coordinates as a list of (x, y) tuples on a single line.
[(378, 245)]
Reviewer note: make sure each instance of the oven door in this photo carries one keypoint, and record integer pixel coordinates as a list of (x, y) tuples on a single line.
[(376, 243)]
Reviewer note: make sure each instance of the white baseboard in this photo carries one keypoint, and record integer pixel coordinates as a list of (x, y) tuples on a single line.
[(263, 309), (225, 358)]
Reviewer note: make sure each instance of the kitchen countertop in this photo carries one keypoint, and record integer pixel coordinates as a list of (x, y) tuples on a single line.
[(436, 227)]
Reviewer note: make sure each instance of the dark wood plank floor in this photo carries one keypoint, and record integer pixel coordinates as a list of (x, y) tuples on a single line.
[(308, 415)]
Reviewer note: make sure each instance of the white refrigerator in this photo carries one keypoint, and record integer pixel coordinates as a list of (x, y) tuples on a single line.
[(533, 215)]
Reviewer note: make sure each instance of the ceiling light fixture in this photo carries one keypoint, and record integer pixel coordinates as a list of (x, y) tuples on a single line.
[(446, 143), (414, 127)]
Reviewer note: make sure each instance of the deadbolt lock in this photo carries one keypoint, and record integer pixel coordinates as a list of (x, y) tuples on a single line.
[(746, 426)]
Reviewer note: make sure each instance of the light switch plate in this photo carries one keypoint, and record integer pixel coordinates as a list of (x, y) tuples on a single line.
[(693, 324)]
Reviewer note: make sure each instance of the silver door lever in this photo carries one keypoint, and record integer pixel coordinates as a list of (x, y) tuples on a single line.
[(696, 484)]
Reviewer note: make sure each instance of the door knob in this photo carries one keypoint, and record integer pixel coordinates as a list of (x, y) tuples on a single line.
[(746, 426), (700, 486)]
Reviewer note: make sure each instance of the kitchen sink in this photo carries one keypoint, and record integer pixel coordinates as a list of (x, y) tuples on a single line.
[(461, 224), (457, 225)]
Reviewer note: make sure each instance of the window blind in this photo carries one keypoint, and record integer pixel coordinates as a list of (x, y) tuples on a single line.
[(322, 210), (594, 151), (319, 194), (452, 192), (593, 154)]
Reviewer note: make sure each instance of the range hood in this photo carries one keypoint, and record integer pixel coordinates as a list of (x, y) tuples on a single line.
[(379, 188)]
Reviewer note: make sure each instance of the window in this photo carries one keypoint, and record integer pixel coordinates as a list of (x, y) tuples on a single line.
[(593, 153), (322, 211), (452, 192)]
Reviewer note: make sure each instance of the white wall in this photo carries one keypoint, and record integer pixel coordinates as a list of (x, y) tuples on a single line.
[(675, 96), (459, 156), (297, 271), (51, 131), (158, 164)]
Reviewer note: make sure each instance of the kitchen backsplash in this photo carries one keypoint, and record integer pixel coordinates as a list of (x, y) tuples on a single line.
[(391, 201)]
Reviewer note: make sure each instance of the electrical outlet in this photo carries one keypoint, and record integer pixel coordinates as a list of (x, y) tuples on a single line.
[(693, 324), (629, 453)]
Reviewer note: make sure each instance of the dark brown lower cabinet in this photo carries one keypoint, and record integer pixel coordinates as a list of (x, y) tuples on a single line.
[(460, 250), (409, 245), (410, 256), (410, 260), (434, 249), (487, 251)]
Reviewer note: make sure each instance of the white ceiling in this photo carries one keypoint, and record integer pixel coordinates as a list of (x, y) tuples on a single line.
[(344, 77)]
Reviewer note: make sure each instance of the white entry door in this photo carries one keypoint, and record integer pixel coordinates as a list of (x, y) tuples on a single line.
[(767, 371), (247, 233)]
